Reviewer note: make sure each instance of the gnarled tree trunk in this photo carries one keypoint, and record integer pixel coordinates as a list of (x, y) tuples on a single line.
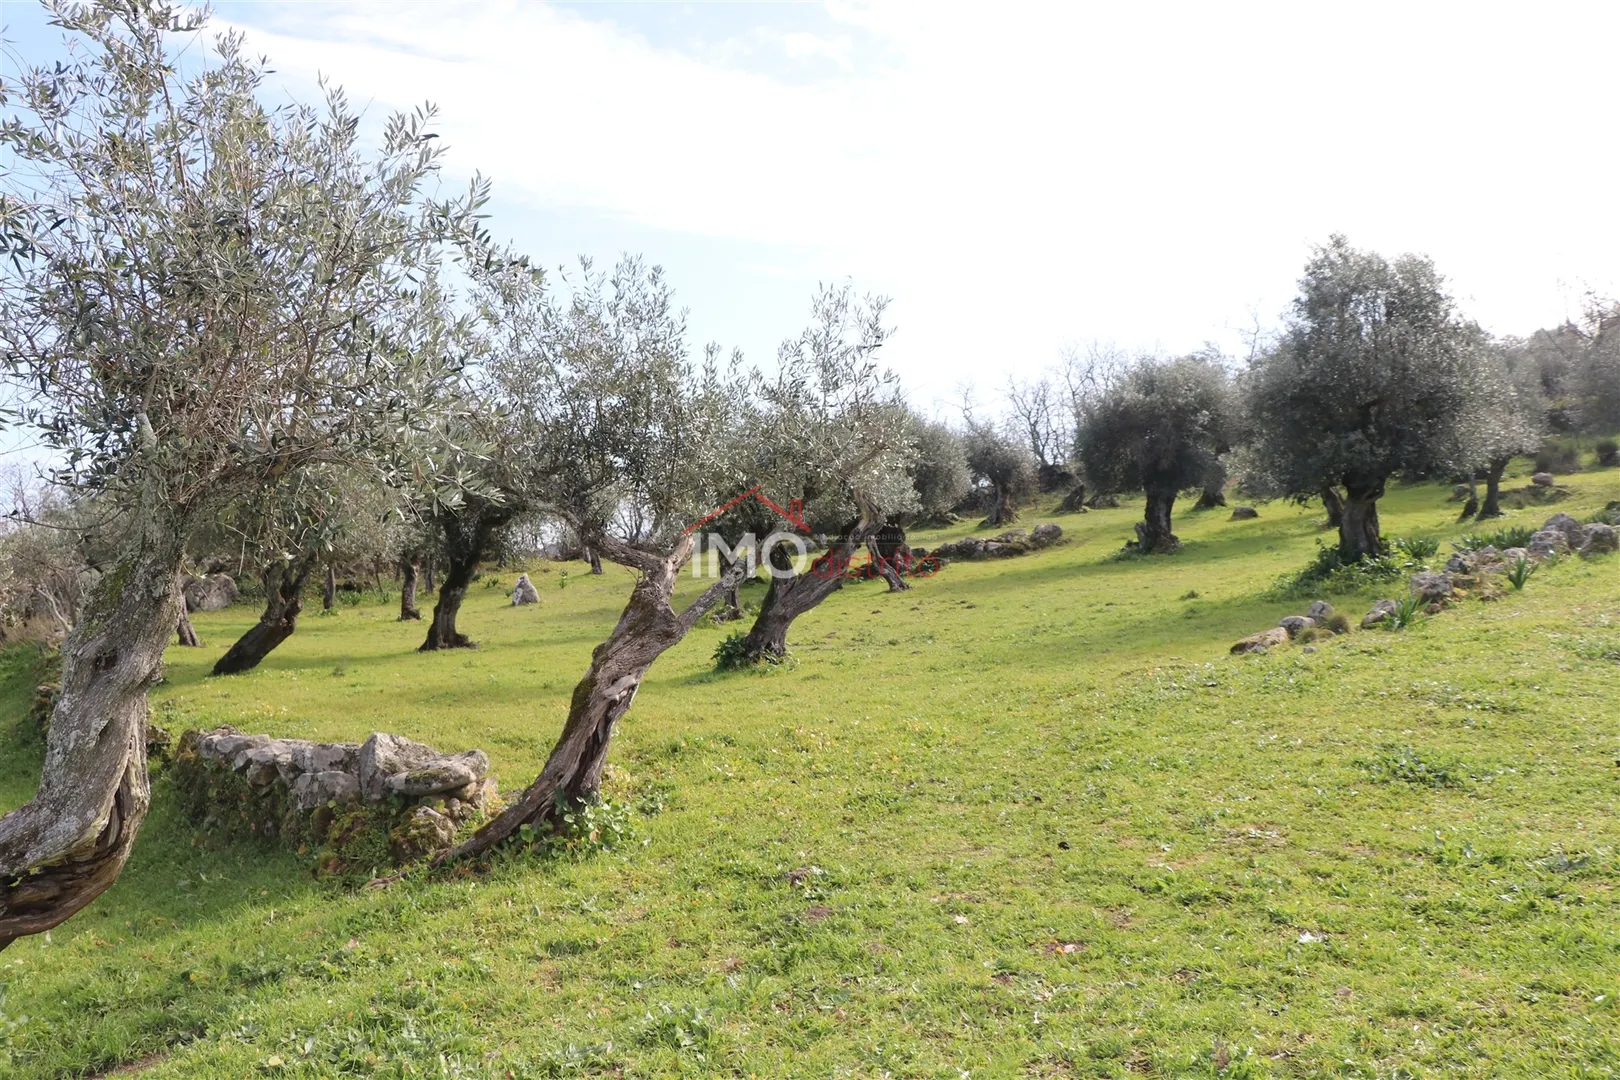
[(407, 589), (68, 844), (1358, 525), (788, 597), (1153, 535), (1213, 495), (594, 559), (1333, 502), (648, 627), (1492, 507), (283, 602), (469, 538), (1002, 510), (427, 575), (188, 636), (888, 551), (329, 593)]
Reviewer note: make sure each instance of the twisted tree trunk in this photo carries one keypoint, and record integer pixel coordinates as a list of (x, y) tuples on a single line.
[(1334, 503), (788, 597), (1153, 535), (648, 627), (427, 575), (67, 845), (283, 602), (594, 559), (407, 590), (329, 593), (1492, 506), (188, 636), (1358, 525), (469, 536), (888, 551)]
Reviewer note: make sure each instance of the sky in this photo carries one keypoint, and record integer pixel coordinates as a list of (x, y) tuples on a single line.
[(1016, 178)]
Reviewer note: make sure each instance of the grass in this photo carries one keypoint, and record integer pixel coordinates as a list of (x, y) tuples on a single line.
[(1025, 820)]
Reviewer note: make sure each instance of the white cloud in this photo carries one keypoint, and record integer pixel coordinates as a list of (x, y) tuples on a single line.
[(1015, 176)]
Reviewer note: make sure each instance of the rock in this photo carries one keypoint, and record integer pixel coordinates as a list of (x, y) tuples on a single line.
[(210, 592), (1542, 479), (1265, 639), (312, 790), (1295, 623), (1308, 649), (421, 832), (1459, 492), (1548, 542), (224, 744), (1458, 564), (1381, 610), (262, 763), (1573, 530), (1600, 539), (1244, 513), (1319, 610), (1046, 534), (446, 774), (524, 592), (1514, 554), (1430, 587)]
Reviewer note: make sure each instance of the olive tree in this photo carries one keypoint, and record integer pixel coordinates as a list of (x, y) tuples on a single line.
[(835, 437), (1003, 467), (1507, 417), (629, 441), (192, 308), (1159, 428), (939, 468), (1370, 378)]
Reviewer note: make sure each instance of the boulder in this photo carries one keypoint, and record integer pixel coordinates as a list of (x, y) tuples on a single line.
[(1543, 479), (1600, 539), (1548, 542), (1295, 623), (1259, 643), (1573, 530), (1381, 610), (1244, 513), (210, 592), (422, 832), (445, 774), (1459, 564), (1319, 610), (312, 790), (1430, 587), (1514, 554), (1046, 534), (524, 592)]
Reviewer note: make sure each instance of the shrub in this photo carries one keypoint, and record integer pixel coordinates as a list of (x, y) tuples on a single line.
[(1337, 622), (1408, 610), (1417, 549), (732, 655), (1329, 573), (587, 828), (1511, 537), (1557, 456), (1608, 452)]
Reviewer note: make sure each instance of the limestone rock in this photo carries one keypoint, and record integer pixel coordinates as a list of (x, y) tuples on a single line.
[(312, 790), (1244, 513), (444, 774), (524, 592), (423, 831), (1542, 479), (210, 592), (1293, 624), (1265, 639), (1573, 530), (1319, 610), (1381, 610), (1600, 539), (1046, 534), (1430, 587), (1548, 542)]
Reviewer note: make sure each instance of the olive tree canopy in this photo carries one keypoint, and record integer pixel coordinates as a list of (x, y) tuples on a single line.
[(1371, 377)]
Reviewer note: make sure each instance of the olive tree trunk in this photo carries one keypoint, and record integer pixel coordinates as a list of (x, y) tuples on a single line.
[(188, 636), (888, 551), (469, 539), (1334, 504), (648, 627), (66, 846), (1358, 524), (786, 598), (408, 573), (594, 559), (1002, 510), (283, 602), (1153, 535), (329, 593), (1492, 507)]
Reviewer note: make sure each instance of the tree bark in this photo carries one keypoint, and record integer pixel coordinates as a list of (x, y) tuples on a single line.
[(1213, 495), (69, 843), (469, 538), (188, 636), (1153, 535), (1002, 510), (1334, 503), (427, 575), (594, 559), (1358, 525), (786, 598), (284, 601), (648, 627), (407, 590), (888, 550), (329, 593), (1492, 506)]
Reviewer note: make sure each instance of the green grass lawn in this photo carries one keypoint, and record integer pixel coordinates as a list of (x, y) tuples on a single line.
[(1045, 827)]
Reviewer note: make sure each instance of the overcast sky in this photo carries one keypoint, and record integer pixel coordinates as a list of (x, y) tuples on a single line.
[(1015, 177)]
